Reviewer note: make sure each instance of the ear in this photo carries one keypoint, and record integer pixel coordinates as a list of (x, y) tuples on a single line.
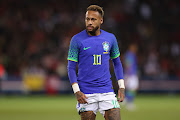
[(101, 20)]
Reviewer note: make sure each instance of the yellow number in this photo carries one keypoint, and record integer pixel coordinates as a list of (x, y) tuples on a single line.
[(94, 60), (97, 60)]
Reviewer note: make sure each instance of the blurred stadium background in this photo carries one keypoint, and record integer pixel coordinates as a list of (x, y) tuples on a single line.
[(34, 41)]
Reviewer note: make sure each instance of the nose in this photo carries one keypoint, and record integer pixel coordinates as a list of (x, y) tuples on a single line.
[(89, 22)]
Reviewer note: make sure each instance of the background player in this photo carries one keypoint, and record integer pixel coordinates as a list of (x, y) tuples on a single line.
[(91, 49), (130, 75)]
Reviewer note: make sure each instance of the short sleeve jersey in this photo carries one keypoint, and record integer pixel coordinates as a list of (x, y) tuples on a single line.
[(92, 54)]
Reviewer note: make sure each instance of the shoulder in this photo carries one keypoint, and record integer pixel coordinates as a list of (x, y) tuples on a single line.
[(80, 35), (108, 34), (76, 39)]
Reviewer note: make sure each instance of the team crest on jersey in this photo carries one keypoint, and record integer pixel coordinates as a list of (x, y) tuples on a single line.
[(105, 47)]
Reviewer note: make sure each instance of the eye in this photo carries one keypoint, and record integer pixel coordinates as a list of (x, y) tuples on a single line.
[(93, 19), (87, 19)]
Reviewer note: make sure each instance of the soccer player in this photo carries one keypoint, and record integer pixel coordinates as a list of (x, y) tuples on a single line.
[(130, 75), (91, 49)]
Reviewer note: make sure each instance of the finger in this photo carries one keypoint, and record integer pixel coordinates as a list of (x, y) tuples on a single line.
[(119, 93), (122, 98), (85, 96), (80, 101), (85, 101)]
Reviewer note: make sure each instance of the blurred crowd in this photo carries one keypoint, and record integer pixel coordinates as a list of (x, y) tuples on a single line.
[(35, 35)]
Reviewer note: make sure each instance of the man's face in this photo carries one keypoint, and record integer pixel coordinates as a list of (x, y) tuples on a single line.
[(93, 21)]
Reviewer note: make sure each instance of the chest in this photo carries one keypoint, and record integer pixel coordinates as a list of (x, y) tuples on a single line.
[(95, 46)]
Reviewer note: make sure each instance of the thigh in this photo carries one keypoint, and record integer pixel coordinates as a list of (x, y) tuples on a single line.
[(92, 105), (88, 115), (112, 114), (108, 101)]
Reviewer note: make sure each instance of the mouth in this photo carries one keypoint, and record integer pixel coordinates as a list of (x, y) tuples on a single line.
[(89, 27)]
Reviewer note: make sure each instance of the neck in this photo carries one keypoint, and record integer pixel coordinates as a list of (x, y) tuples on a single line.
[(98, 32)]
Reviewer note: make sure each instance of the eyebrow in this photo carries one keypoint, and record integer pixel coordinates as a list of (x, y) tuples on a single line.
[(91, 18)]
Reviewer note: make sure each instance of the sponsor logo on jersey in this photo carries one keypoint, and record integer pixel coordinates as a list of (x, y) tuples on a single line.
[(85, 48), (105, 47)]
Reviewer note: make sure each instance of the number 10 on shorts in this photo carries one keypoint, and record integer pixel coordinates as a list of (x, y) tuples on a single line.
[(97, 59)]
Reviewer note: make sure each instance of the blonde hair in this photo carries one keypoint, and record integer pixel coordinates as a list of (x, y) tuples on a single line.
[(96, 8)]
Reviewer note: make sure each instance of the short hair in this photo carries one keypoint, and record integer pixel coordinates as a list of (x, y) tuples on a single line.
[(96, 8)]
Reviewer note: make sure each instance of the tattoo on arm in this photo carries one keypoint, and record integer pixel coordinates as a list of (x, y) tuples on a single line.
[(78, 94), (81, 98), (122, 90)]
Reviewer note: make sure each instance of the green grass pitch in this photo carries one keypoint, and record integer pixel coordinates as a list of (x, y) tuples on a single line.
[(149, 107)]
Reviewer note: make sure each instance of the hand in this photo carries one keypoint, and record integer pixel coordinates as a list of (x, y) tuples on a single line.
[(121, 94), (81, 97)]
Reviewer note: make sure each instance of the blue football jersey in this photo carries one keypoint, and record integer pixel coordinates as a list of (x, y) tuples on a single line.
[(92, 54)]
